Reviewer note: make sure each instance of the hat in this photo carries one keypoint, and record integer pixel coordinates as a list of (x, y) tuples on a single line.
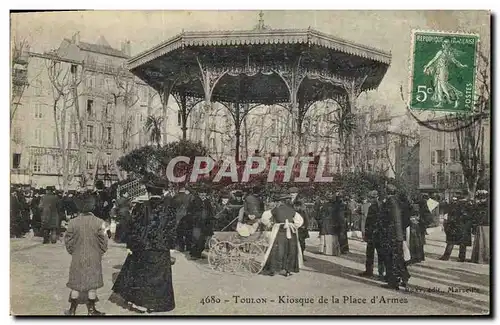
[(99, 185), (373, 194), (293, 190), (86, 203), (253, 205), (154, 189), (238, 193)]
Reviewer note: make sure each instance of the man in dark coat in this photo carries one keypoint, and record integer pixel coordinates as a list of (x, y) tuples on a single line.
[(299, 206), (15, 214), (182, 205), (203, 219), (371, 236), (393, 236), (458, 229), (481, 216), (425, 216), (51, 208), (70, 205), (329, 227), (123, 217), (103, 199), (36, 222), (339, 217), (86, 241)]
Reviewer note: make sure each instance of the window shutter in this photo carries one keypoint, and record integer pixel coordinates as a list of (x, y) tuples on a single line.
[(433, 157)]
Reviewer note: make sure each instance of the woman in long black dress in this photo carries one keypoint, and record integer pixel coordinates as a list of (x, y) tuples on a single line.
[(145, 279)]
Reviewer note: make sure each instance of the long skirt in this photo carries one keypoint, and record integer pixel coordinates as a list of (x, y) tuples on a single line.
[(284, 254), (481, 247), (146, 280), (329, 245), (416, 245)]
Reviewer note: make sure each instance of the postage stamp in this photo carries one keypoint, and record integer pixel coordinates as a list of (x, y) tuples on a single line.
[(242, 163), (443, 71)]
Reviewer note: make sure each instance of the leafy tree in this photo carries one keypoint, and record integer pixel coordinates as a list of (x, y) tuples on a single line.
[(153, 126), (140, 162)]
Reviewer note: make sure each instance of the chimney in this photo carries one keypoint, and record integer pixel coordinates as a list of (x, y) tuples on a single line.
[(76, 38), (126, 47)]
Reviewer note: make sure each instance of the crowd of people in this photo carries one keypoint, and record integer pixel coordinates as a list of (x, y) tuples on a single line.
[(184, 219)]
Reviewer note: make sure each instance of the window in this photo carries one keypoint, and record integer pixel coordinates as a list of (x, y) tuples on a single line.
[(38, 111), (213, 145), (107, 83), (441, 180), (454, 155), (440, 156), (108, 65), (17, 134), (90, 133), (90, 160), (109, 134), (54, 139), (91, 60), (38, 136), (90, 107), (37, 90), (70, 140), (16, 160), (455, 179), (144, 94), (179, 118), (369, 155), (74, 68), (36, 164), (108, 160)]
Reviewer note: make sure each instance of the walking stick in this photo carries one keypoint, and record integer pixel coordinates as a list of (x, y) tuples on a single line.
[(230, 223)]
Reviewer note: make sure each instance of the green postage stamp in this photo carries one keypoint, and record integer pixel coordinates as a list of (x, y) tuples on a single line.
[(443, 71)]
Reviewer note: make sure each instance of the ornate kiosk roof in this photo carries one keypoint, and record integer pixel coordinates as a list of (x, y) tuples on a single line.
[(251, 64)]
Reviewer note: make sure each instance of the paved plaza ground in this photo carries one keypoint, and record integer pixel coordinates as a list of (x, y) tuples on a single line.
[(39, 274)]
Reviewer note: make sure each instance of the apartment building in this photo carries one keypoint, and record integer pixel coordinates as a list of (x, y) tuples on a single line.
[(440, 167), (57, 140)]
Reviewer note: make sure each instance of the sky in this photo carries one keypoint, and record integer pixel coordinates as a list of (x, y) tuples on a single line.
[(386, 30)]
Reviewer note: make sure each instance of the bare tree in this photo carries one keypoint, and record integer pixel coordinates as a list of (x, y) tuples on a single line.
[(65, 79), (125, 90)]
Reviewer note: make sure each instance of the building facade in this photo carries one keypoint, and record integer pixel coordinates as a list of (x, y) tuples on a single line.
[(440, 166), (79, 111)]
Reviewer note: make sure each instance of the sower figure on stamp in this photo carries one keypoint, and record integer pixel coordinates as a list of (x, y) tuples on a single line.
[(371, 236), (86, 241), (439, 67), (283, 254)]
